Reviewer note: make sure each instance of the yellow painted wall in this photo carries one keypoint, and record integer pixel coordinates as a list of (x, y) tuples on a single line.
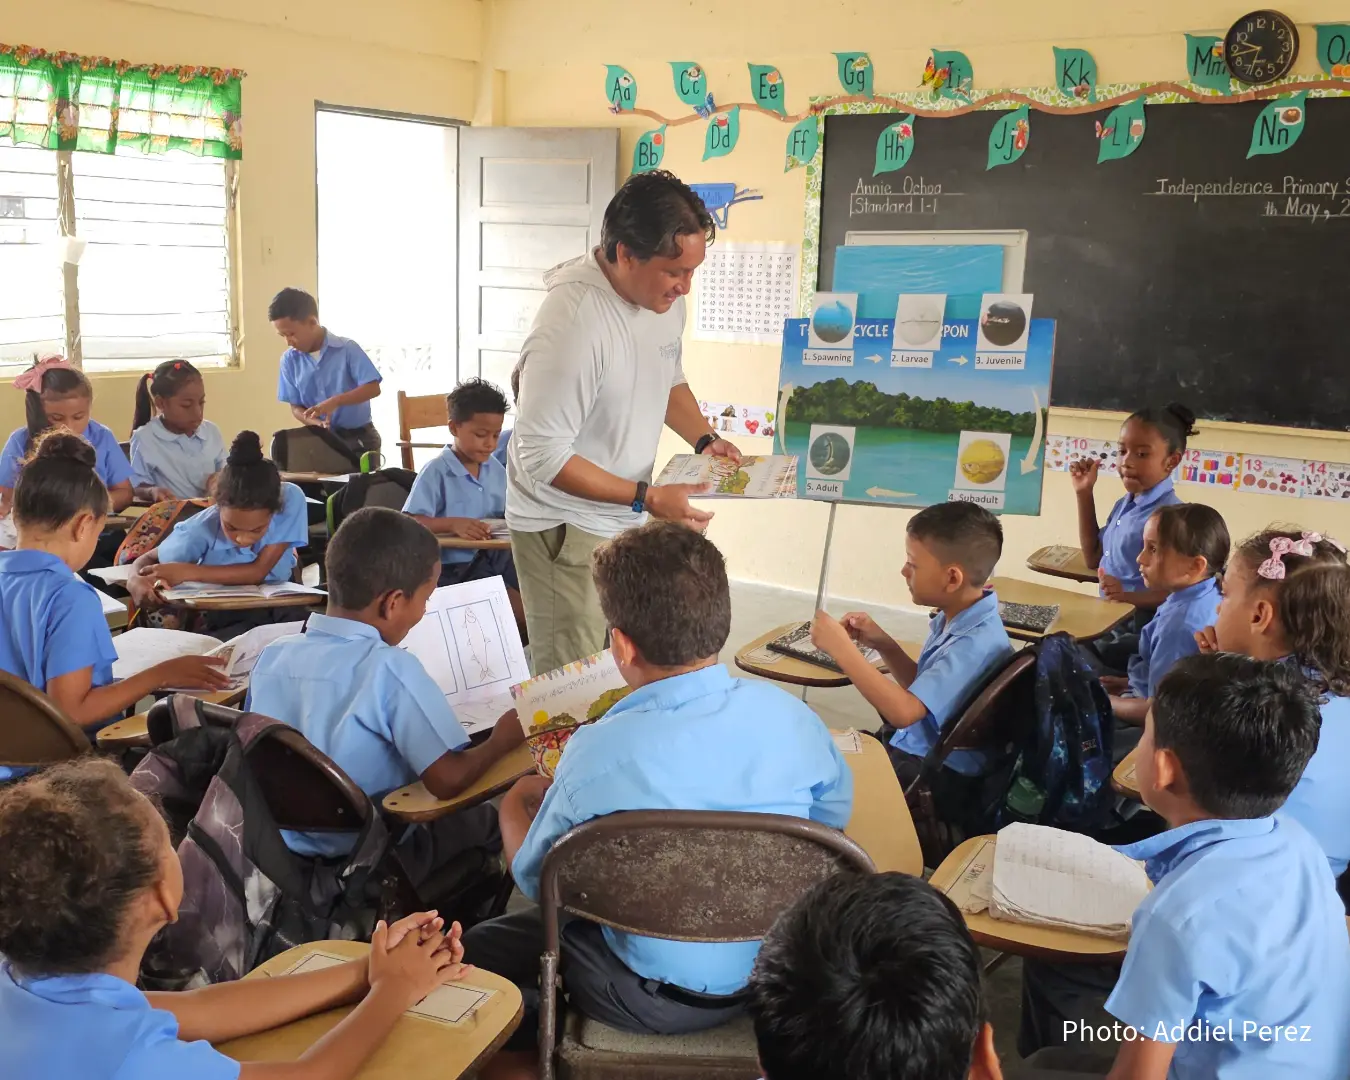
[(551, 55), (415, 56)]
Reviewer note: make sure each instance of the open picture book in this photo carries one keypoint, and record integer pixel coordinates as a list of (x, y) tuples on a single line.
[(766, 477), (142, 648), (552, 706)]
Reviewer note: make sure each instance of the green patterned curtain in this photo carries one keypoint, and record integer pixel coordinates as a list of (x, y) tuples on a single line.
[(64, 101)]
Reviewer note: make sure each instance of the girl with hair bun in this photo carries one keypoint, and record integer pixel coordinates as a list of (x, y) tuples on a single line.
[(175, 451), (53, 634)]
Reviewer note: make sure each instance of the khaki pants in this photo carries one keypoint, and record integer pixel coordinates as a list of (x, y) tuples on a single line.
[(562, 611)]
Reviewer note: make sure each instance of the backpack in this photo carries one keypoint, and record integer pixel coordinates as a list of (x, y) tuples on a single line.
[(384, 487), (246, 896), (312, 449), (149, 530), (1061, 776)]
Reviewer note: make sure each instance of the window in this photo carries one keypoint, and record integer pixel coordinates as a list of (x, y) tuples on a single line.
[(155, 280)]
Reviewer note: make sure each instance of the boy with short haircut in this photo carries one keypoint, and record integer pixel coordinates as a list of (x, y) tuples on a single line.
[(951, 549), (871, 977), (328, 381), (371, 706), (458, 490), (1239, 963), (688, 737)]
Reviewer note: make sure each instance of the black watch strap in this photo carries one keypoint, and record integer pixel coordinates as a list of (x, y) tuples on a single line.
[(640, 499), (705, 442)]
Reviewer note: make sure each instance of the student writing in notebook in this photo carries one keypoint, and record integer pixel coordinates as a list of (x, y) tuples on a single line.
[(1243, 933), (950, 552), (871, 977), (90, 876), (53, 633), (1286, 595)]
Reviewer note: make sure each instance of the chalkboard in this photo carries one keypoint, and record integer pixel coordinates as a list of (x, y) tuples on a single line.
[(1183, 272)]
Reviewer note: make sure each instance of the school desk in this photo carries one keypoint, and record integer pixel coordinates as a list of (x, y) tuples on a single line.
[(417, 1048), (314, 478), (880, 824), (975, 859), (757, 659), (1123, 778), (1084, 618), (251, 603), (1062, 561), (133, 731), (458, 543)]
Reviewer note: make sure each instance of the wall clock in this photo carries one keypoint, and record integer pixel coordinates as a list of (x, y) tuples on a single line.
[(1261, 47)]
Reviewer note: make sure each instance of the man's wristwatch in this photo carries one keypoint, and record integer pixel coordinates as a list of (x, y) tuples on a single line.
[(705, 442), (640, 499)]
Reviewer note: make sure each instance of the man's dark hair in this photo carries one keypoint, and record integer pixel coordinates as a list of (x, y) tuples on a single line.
[(375, 551), (961, 533), (1242, 730), (665, 586), (650, 213), (867, 977), (292, 304), (474, 396)]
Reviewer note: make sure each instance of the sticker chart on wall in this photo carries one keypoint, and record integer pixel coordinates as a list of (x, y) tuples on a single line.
[(745, 292)]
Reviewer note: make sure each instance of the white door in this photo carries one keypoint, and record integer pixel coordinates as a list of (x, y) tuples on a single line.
[(529, 199)]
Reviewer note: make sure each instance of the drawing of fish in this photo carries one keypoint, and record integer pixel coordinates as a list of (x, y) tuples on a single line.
[(478, 643)]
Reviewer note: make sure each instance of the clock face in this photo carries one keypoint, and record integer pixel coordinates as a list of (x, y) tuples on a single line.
[(1261, 47)]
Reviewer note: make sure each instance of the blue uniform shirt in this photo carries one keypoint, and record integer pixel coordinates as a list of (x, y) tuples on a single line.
[(956, 658), (1243, 928), (1320, 802), (181, 463), (698, 741), (503, 441), (342, 365), (201, 540), (1170, 635), (96, 1027), (1122, 536), (369, 706), (112, 465), (446, 488)]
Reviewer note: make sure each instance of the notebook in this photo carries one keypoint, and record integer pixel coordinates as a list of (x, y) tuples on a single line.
[(1034, 617), (450, 1003), (1063, 880), (796, 643), (201, 591)]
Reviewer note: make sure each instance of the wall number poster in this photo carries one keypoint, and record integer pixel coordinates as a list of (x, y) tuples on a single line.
[(744, 292)]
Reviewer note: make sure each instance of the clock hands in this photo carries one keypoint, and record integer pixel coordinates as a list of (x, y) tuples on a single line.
[(1245, 48)]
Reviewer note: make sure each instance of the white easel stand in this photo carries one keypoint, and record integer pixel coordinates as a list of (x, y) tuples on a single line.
[(823, 585)]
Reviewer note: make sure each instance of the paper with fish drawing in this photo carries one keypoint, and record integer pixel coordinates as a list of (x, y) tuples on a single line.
[(768, 477), (553, 705), (469, 643)]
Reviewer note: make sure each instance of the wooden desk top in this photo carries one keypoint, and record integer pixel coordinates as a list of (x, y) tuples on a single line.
[(1123, 777), (133, 730), (252, 603), (757, 660), (1083, 617), (417, 1048), (881, 823), (314, 478), (416, 803), (974, 859), (458, 543), (1062, 561)]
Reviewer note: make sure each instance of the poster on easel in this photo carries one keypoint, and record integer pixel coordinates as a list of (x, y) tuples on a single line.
[(954, 412)]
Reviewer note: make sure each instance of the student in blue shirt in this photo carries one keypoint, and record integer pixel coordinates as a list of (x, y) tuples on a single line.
[(57, 395), (90, 876), (1238, 965), (371, 706), (871, 977), (457, 492), (1185, 549), (328, 381), (175, 451), (688, 737), (53, 634), (1286, 595), (951, 549)]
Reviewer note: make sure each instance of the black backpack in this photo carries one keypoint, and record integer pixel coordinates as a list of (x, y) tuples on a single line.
[(384, 487), (1062, 774), (313, 449), (247, 897)]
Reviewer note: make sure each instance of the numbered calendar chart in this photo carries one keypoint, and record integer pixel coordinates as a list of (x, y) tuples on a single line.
[(745, 291)]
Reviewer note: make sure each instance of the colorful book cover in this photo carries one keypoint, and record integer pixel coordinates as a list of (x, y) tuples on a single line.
[(553, 705), (765, 477)]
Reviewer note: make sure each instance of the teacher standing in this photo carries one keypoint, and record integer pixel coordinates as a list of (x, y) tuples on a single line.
[(599, 375)]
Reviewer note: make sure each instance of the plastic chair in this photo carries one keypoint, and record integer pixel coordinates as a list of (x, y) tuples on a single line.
[(683, 875), (423, 411), (35, 731), (995, 720)]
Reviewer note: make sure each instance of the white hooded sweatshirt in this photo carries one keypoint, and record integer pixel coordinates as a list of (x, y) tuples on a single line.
[(595, 379)]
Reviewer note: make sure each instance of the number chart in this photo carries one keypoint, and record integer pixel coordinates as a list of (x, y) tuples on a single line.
[(745, 291)]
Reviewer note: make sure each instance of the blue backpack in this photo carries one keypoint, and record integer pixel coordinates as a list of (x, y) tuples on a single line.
[(1062, 774)]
